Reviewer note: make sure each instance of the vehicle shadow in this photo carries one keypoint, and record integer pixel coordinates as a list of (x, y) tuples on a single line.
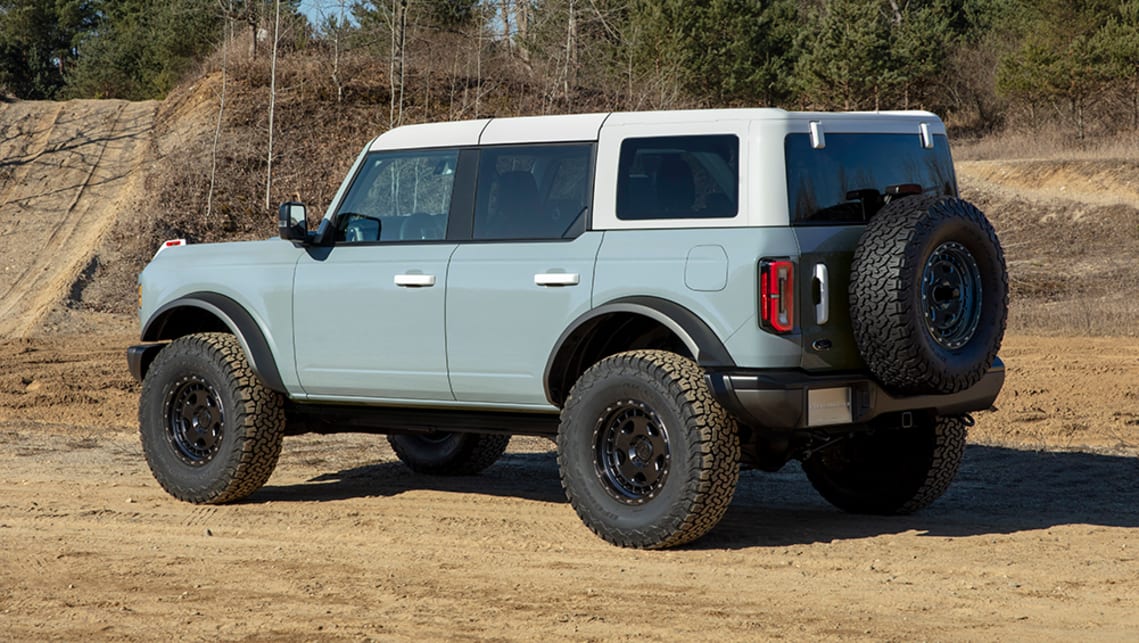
[(531, 476), (998, 491)]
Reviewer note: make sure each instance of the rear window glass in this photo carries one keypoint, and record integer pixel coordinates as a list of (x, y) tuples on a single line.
[(678, 177), (845, 182)]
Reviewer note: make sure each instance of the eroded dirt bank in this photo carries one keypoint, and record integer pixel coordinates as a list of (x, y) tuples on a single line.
[(345, 543)]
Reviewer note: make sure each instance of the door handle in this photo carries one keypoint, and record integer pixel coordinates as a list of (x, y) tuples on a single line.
[(557, 279), (823, 305), (413, 280)]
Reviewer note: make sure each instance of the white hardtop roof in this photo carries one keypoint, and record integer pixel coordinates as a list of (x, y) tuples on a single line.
[(587, 127)]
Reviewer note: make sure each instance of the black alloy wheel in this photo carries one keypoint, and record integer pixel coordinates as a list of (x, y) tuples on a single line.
[(633, 455), (195, 420), (951, 295)]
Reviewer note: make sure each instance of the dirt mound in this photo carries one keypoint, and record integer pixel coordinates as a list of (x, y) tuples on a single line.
[(69, 171), (1070, 229), (1080, 182)]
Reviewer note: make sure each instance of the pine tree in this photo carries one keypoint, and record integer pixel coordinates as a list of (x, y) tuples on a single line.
[(37, 43)]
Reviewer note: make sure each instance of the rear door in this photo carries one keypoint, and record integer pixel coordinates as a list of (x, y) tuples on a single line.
[(833, 190), (524, 274)]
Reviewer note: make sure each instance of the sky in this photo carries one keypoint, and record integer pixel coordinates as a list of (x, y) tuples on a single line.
[(315, 9)]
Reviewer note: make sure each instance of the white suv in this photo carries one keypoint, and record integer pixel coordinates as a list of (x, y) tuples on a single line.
[(670, 295)]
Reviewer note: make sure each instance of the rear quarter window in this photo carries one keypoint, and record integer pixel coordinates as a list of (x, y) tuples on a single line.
[(678, 177), (844, 182)]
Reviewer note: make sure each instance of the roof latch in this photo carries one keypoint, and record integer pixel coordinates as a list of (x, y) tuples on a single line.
[(818, 139), (926, 137)]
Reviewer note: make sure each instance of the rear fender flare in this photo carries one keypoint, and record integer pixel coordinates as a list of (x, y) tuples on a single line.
[(700, 340)]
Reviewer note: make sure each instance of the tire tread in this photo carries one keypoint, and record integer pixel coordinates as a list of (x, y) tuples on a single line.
[(258, 420), (713, 461)]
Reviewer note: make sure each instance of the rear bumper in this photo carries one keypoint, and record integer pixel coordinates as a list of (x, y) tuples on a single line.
[(790, 400)]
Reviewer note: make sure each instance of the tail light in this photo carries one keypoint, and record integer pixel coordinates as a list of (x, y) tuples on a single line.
[(777, 295)]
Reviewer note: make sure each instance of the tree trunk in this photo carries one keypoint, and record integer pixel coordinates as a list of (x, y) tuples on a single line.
[(396, 64), (336, 55), (402, 57), (272, 106), (571, 46), (227, 36), (1135, 104), (897, 12), (522, 28), (505, 8)]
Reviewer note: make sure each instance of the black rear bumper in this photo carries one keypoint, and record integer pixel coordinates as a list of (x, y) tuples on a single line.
[(780, 400)]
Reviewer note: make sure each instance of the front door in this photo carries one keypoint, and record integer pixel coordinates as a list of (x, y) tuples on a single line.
[(369, 310)]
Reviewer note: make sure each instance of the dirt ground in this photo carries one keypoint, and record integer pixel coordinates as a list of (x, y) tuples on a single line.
[(1037, 540)]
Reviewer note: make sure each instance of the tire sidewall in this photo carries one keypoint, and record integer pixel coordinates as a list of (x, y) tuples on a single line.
[(891, 471), (940, 227), (427, 453), (886, 307), (181, 359), (577, 444)]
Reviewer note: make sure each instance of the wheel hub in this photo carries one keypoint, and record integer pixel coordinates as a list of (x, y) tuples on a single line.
[(632, 453), (195, 420), (951, 295)]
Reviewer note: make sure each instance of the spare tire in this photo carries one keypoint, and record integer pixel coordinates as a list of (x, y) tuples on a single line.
[(928, 295)]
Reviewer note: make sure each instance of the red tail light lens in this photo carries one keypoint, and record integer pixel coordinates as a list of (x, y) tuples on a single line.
[(777, 295)]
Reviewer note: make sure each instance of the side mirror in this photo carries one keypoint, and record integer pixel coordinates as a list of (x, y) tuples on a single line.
[(291, 222)]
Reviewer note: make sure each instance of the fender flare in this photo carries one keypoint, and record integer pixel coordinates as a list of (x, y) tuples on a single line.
[(694, 332), (236, 318)]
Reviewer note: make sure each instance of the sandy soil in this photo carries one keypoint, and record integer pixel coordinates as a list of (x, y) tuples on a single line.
[(68, 171), (1037, 540), (345, 543)]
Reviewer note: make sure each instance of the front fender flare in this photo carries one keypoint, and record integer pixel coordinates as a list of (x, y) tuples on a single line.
[(235, 317)]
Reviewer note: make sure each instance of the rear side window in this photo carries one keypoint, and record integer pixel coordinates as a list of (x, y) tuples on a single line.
[(678, 177), (846, 181), (533, 191)]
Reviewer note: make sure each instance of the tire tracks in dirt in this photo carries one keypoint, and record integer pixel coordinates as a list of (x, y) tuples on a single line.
[(67, 190)]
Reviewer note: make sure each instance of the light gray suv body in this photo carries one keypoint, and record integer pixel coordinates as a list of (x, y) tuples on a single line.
[(668, 294)]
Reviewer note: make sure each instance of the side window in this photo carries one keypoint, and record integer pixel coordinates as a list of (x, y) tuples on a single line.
[(399, 196), (678, 177), (532, 191)]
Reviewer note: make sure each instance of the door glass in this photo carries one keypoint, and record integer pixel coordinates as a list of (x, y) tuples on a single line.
[(532, 191), (399, 196)]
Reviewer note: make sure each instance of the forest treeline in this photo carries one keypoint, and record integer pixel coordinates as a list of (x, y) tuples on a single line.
[(982, 64)]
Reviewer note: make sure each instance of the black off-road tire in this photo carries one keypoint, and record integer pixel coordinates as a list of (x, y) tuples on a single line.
[(928, 295), (648, 458), (210, 429), (890, 471), (449, 454)]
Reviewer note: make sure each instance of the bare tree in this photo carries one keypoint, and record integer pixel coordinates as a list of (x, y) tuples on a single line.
[(397, 64), (336, 36), (569, 63), (272, 104), (227, 37)]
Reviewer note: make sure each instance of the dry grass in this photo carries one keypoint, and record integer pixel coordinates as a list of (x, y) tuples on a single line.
[(1049, 144), (1083, 316)]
